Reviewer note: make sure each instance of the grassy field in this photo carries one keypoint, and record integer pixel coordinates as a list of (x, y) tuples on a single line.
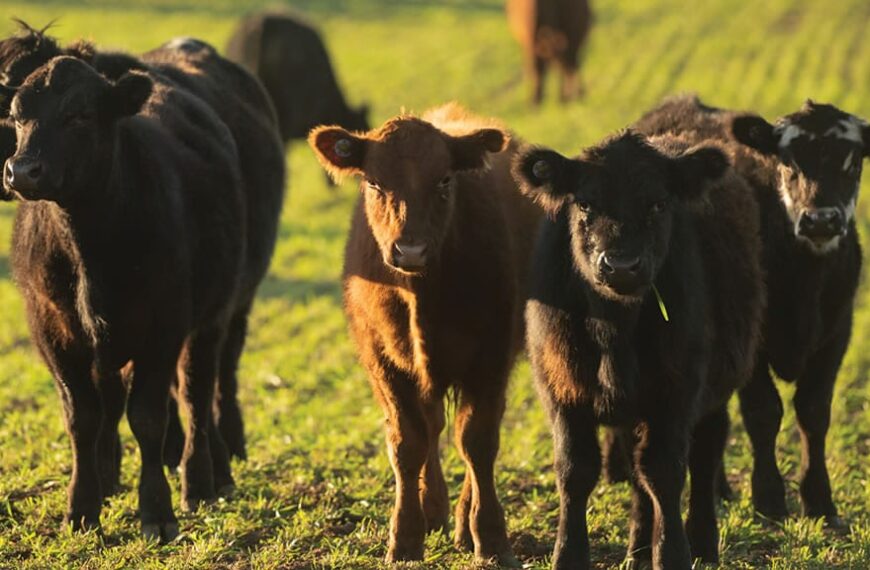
[(317, 489)]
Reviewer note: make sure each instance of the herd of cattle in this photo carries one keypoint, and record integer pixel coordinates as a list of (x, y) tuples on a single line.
[(649, 278)]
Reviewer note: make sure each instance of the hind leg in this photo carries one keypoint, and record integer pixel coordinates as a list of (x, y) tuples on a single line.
[(198, 364), (173, 448), (617, 456), (113, 394), (227, 411)]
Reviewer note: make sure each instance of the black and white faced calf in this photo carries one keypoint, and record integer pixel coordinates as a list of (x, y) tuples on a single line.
[(806, 169), (128, 248), (646, 298)]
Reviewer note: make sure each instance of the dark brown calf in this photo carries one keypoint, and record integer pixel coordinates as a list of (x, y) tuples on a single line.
[(551, 31), (433, 285)]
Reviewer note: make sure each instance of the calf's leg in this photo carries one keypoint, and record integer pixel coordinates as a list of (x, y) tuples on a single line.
[(761, 408), (147, 415), (705, 457), (478, 421), (812, 402), (113, 394), (198, 366), (433, 494), (407, 437), (227, 410), (173, 447), (661, 468)]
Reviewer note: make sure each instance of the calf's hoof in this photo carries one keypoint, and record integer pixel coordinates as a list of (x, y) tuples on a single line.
[(404, 553), (162, 532), (632, 563), (81, 522), (836, 523), (504, 559)]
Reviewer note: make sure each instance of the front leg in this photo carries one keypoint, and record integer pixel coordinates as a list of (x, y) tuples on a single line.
[(577, 462), (661, 470), (761, 408), (812, 402), (407, 435), (147, 416)]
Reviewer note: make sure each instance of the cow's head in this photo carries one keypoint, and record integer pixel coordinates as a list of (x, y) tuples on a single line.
[(820, 151), (24, 52), (408, 169), (64, 114), (619, 198)]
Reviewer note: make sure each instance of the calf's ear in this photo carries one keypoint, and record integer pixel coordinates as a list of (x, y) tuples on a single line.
[(340, 152), (128, 94), (755, 132), (542, 174), (471, 151), (695, 170), (7, 149)]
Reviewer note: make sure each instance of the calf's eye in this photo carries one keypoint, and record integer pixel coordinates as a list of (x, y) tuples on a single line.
[(658, 207), (583, 205)]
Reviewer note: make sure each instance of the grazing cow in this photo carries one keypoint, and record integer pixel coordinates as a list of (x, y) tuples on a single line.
[(240, 101), (129, 249), (290, 59), (806, 171), (644, 313), (433, 284), (551, 31)]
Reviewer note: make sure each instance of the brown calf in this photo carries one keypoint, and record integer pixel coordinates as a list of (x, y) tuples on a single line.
[(551, 31), (434, 278)]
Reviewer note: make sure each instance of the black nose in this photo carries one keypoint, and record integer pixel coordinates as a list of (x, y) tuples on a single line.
[(22, 174), (409, 256), (616, 265), (821, 223)]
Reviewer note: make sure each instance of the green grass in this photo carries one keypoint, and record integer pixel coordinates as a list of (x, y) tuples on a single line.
[(317, 489)]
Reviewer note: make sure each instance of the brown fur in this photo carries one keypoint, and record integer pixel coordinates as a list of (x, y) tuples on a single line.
[(551, 32), (454, 325)]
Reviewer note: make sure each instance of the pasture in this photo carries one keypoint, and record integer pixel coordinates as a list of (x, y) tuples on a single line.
[(317, 488)]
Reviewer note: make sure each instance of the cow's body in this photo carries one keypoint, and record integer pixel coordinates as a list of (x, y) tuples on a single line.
[(433, 286), (551, 32), (811, 287), (604, 356), (129, 249)]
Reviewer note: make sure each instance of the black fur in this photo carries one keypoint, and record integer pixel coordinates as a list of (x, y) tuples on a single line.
[(604, 355), (811, 293), (129, 251)]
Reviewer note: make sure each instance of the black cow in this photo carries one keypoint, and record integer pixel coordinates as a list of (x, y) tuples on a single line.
[(129, 249), (242, 104), (805, 170), (645, 307), (291, 60)]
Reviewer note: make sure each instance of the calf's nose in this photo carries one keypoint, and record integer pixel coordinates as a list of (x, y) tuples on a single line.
[(821, 222), (409, 256), (616, 265), (22, 174)]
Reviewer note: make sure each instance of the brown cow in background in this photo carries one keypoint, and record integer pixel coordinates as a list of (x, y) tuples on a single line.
[(551, 31), (434, 276)]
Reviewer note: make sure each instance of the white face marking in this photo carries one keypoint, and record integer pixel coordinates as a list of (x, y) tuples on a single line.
[(848, 164), (848, 130), (788, 132)]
